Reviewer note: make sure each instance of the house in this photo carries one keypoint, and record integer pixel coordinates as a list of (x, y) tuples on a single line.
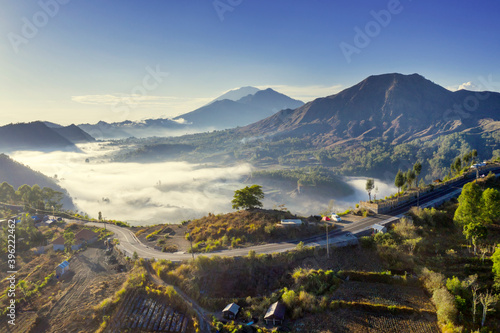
[(62, 268), (275, 314), (83, 237), (231, 311), (377, 228), (58, 244), (291, 222)]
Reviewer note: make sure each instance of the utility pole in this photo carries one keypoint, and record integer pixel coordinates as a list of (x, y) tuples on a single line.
[(418, 197), (327, 242), (191, 242)]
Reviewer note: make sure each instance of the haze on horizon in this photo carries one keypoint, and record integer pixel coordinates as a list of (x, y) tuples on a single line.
[(75, 61)]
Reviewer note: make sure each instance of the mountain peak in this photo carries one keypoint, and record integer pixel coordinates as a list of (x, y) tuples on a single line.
[(394, 106)]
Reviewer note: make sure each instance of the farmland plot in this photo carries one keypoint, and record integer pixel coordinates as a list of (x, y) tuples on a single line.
[(343, 320), (141, 313), (386, 294)]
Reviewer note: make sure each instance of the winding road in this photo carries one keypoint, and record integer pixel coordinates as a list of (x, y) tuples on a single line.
[(342, 233)]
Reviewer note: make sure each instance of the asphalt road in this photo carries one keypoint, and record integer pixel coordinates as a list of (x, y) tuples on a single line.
[(130, 244)]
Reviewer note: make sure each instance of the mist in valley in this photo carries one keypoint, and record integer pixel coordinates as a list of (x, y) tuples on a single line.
[(166, 192)]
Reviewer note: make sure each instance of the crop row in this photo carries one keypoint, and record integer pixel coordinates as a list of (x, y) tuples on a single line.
[(140, 313)]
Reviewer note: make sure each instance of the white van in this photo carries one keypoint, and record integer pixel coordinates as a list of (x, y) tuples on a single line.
[(335, 217)]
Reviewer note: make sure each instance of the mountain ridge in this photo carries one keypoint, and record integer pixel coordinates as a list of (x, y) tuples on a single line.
[(394, 107)]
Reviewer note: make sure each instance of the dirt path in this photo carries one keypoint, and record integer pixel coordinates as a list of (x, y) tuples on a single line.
[(90, 280), (203, 315)]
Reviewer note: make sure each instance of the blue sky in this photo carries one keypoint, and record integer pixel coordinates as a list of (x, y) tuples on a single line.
[(91, 60)]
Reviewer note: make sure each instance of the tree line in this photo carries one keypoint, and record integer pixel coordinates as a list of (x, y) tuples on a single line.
[(31, 196)]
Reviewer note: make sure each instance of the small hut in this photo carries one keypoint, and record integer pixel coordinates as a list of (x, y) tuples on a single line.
[(231, 311), (62, 268), (275, 314)]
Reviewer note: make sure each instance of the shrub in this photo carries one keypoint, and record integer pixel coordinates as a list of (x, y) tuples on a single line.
[(445, 305)]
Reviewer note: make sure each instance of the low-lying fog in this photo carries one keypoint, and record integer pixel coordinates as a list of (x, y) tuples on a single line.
[(154, 193)]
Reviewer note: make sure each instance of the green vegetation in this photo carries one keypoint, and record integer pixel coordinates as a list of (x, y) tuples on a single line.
[(214, 232), (248, 198)]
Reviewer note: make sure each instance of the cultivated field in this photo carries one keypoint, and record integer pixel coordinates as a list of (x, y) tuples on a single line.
[(141, 313), (385, 294), (344, 320)]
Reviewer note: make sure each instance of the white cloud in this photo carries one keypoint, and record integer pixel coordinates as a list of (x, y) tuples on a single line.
[(305, 93), (468, 86)]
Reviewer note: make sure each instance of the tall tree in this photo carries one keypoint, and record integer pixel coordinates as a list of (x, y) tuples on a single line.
[(69, 239), (469, 203), (248, 197), (457, 165), (7, 192), (488, 300), (399, 181), (417, 168), (474, 231), (370, 185), (410, 177), (491, 205)]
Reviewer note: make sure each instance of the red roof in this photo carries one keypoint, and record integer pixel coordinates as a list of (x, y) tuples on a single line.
[(85, 235), (59, 241)]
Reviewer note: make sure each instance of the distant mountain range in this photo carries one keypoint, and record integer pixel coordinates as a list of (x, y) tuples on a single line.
[(227, 113), (393, 107), (38, 136), (237, 107)]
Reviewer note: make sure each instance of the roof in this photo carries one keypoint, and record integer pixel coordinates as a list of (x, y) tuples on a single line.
[(59, 240), (276, 310), (233, 308), (64, 264), (379, 227), (85, 235)]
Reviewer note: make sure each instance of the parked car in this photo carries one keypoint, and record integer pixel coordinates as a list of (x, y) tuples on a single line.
[(335, 217)]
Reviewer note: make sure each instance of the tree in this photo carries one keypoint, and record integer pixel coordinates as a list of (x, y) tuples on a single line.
[(495, 258), (491, 205), (99, 216), (399, 181), (487, 301), (474, 287), (474, 155), (475, 231), (248, 197), (7, 192), (370, 185), (457, 165), (469, 205), (417, 168), (410, 177), (69, 239)]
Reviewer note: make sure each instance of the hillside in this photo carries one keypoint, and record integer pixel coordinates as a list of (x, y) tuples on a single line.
[(17, 174), (394, 107), (33, 136)]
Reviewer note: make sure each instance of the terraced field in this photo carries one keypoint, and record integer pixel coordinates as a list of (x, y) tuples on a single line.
[(343, 320), (380, 293), (141, 313)]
